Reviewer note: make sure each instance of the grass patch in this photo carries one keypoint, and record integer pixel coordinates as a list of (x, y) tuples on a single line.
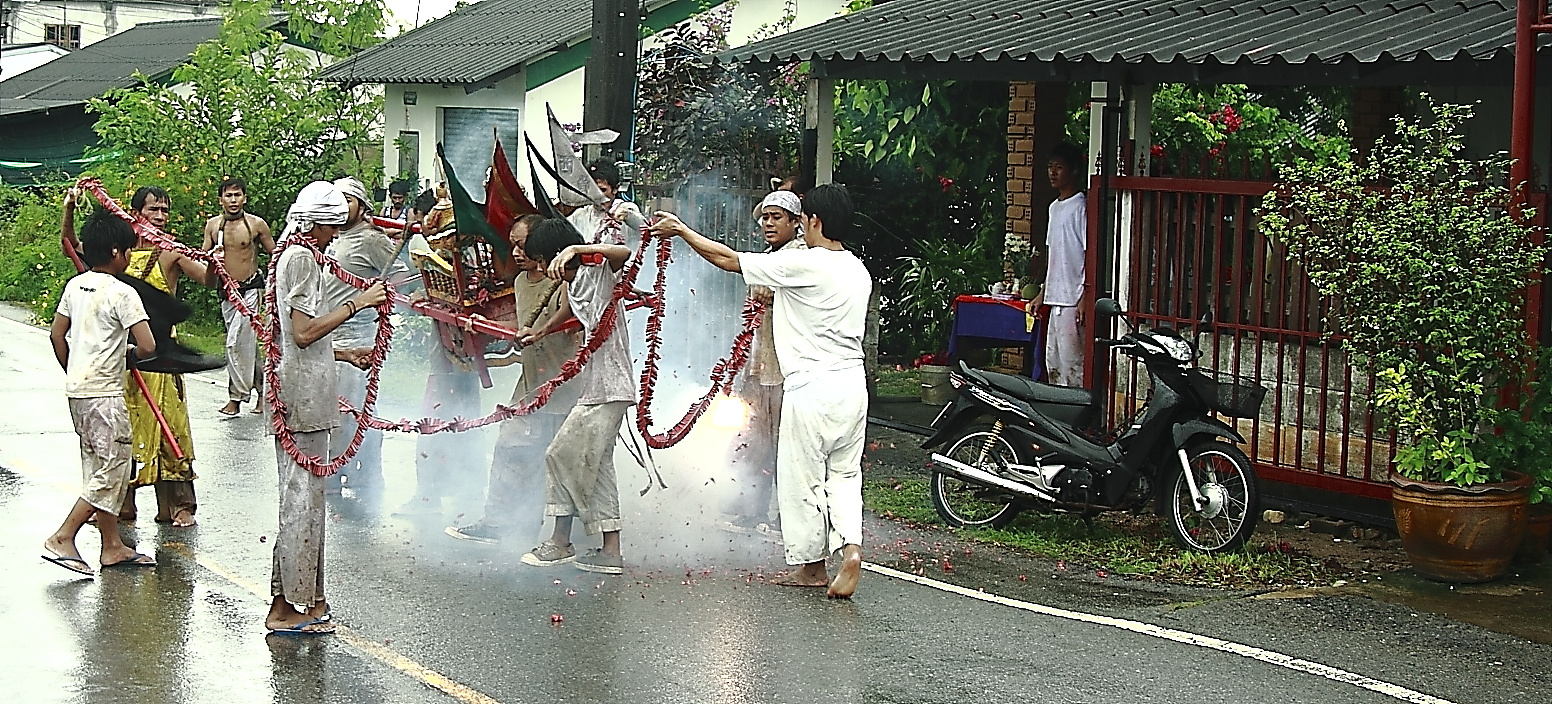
[(899, 382), (203, 337), (1121, 543)]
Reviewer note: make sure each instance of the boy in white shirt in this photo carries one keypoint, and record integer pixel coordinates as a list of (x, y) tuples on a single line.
[(818, 316), (579, 463), (1066, 241), (591, 220), (97, 313)]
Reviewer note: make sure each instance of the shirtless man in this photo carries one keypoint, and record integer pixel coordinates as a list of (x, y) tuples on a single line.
[(238, 234)]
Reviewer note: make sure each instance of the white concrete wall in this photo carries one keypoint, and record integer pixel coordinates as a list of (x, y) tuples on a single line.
[(425, 117), (99, 20)]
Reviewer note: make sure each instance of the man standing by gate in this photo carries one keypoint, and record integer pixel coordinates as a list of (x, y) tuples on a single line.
[(1066, 239)]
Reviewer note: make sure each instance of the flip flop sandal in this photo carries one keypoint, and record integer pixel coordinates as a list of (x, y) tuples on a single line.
[(74, 564), (135, 561), (300, 628)]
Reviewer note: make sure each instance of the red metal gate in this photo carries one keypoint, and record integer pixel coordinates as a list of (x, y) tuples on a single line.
[(1183, 247)]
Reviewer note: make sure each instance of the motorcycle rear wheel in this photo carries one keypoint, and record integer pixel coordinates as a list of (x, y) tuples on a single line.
[(1223, 473), (964, 505)]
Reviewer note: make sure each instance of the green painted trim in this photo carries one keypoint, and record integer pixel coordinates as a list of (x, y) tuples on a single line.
[(574, 57)]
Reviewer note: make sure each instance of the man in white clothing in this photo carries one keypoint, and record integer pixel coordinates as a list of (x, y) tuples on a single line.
[(1066, 241), (818, 317)]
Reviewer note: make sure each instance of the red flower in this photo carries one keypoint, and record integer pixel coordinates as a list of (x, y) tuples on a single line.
[(946, 182), (1157, 151)]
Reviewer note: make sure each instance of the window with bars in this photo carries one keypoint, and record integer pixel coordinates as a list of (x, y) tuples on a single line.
[(67, 36)]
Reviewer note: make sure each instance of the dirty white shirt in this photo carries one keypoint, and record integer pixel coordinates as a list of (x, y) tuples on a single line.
[(607, 376), (101, 310), (308, 379)]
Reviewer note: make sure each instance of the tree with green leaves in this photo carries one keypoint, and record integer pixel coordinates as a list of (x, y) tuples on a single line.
[(246, 105), (1425, 266)]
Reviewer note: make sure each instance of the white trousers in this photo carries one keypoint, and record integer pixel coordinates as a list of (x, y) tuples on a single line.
[(824, 418), (1064, 347), (242, 349), (297, 561)]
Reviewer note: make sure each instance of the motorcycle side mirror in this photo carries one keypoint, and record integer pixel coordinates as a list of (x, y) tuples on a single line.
[(1206, 322), (1108, 307)]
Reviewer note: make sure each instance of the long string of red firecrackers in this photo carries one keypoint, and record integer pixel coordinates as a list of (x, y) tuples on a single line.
[(317, 465), (722, 375)]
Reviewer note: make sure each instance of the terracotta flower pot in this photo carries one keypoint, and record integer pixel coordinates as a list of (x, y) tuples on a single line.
[(1538, 533), (1462, 535)]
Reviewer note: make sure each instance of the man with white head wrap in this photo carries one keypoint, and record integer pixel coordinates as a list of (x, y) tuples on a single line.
[(362, 249), (308, 393), (754, 460)]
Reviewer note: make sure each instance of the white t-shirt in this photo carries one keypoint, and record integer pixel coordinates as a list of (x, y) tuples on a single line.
[(589, 221), (607, 376), (101, 310), (820, 307), (308, 379), (1066, 239)]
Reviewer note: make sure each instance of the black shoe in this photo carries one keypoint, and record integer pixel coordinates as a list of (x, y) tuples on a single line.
[(477, 533)]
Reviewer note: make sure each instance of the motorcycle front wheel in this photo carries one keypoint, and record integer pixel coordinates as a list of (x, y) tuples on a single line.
[(964, 505), (1225, 478)]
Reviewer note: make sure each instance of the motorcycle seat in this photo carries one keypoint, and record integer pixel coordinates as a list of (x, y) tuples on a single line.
[(1031, 390)]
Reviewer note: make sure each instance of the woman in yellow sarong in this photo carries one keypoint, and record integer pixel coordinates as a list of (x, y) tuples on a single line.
[(159, 466)]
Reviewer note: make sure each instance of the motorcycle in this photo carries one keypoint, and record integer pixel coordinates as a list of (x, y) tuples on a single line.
[(1015, 444)]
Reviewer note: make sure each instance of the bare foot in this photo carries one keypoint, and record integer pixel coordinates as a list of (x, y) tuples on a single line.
[(796, 579), (183, 519), (231, 409), (845, 583), (812, 574)]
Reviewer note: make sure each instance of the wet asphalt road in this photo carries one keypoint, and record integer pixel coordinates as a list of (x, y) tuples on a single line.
[(690, 622)]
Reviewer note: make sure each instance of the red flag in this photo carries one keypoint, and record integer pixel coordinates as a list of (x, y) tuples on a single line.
[(504, 198)]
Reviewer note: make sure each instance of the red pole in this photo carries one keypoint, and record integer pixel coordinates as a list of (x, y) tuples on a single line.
[(1522, 125), (68, 242), (161, 421)]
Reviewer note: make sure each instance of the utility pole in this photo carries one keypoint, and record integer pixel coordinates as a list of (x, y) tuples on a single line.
[(609, 84)]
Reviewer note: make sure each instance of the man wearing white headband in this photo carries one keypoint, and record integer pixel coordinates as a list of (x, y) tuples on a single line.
[(365, 251), (754, 458), (308, 393)]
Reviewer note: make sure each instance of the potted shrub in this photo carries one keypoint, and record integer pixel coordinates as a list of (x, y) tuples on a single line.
[(1425, 268), (1523, 443)]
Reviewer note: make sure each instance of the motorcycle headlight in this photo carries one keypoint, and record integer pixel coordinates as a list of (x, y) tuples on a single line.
[(1178, 349)]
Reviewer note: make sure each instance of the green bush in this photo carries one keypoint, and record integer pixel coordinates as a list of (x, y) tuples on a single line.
[(33, 268)]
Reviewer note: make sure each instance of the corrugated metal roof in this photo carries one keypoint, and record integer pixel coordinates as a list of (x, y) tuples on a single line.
[(470, 45), (1158, 31), (152, 48), (17, 106)]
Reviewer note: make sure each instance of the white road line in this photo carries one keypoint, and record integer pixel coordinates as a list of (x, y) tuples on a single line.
[(1148, 629)]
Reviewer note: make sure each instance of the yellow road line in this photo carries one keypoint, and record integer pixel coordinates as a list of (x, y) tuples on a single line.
[(366, 646)]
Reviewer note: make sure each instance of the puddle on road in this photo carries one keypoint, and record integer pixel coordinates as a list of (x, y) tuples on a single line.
[(10, 485), (1518, 605)]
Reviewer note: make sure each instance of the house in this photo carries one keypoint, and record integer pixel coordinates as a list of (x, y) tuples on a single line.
[(21, 58), (43, 112), (1172, 249), (497, 63), (73, 24)]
